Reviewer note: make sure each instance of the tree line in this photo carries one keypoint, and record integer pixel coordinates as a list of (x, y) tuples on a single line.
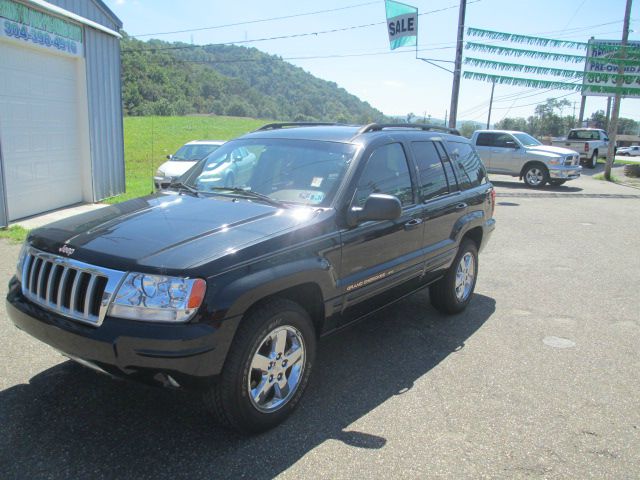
[(162, 78), (549, 120)]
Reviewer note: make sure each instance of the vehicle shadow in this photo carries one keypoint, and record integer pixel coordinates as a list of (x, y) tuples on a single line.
[(516, 184), (70, 422)]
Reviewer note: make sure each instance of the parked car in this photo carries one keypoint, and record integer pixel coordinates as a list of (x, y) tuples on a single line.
[(226, 289), (518, 154), (228, 169), (632, 151), (590, 143), (186, 157)]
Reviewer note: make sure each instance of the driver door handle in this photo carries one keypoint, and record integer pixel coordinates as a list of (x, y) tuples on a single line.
[(461, 206), (413, 223)]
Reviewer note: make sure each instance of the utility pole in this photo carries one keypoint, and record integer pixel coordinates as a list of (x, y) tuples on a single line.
[(583, 102), (493, 86), (608, 113), (445, 118), (616, 102), (457, 70)]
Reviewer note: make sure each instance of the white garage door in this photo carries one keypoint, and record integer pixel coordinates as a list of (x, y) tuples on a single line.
[(39, 130)]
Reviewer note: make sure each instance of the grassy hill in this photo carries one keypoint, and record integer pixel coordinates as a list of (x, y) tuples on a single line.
[(148, 140), (161, 78)]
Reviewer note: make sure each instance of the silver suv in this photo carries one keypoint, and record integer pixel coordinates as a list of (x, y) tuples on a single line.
[(518, 154)]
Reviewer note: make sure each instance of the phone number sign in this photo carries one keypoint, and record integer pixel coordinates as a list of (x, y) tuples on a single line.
[(601, 69), (18, 31)]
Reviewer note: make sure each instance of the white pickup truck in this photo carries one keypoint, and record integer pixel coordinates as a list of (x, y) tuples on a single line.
[(590, 143), (518, 154)]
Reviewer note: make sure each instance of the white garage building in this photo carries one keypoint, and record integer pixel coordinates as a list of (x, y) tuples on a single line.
[(61, 137)]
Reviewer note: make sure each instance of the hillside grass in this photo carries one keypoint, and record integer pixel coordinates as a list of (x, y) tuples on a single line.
[(148, 141)]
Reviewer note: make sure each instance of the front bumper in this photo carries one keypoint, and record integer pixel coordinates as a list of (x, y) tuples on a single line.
[(570, 172), (187, 355)]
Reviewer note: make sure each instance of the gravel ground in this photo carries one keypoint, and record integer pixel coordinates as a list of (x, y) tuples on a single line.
[(539, 378)]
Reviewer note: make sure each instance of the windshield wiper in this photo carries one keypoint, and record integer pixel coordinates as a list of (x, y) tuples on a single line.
[(252, 194), (183, 186)]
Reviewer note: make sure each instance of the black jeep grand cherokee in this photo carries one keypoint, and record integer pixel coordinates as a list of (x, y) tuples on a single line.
[(225, 283)]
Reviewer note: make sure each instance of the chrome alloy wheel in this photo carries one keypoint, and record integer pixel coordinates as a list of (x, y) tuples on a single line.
[(465, 276), (534, 176), (276, 369)]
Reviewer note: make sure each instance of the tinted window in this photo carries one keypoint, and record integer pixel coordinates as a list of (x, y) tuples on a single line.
[(583, 135), (432, 179), (494, 140), (471, 172), (448, 168), (485, 139), (386, 171)]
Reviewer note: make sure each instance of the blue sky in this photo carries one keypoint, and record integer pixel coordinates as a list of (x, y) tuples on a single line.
[(395, 83)]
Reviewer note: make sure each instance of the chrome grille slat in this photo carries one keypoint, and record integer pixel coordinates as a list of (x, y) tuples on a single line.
[(52, 276), (62, 287), (73, 300), (46, 278), (89, 297)]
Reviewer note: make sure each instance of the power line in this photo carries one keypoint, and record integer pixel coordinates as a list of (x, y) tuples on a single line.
[(283, 37), (262, 20)]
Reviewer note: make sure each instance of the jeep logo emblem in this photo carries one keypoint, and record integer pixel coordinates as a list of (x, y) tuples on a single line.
[(67, 250)]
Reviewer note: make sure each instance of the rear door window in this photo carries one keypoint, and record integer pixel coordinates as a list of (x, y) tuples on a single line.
[(471, 171), (432, 181)]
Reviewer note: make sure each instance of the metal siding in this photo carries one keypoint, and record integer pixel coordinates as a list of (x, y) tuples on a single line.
[(102, 55), (87, 9)]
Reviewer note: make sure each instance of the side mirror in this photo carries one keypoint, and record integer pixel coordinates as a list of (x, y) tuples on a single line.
[(378, 206), (511, 144), (169, 157), (237, 158)]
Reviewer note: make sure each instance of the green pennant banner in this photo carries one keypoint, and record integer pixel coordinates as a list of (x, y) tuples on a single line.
[(519, 52), (515, 38), (535, 83), (515, 67)]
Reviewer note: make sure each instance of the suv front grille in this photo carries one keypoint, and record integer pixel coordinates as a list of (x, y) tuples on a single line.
[(68, 287)]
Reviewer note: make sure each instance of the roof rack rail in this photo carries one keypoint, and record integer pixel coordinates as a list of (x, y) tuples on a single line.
[(376, 127), (276, 126)]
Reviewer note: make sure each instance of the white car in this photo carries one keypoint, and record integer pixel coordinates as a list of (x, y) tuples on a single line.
[(231, 169), (633, 151), (181, 161)]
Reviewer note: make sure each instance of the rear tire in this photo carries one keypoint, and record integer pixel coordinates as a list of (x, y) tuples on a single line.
[(258, 389), (593, 162), (452, 293)]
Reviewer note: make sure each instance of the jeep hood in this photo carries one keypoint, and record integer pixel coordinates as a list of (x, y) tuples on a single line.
[(169, 232)]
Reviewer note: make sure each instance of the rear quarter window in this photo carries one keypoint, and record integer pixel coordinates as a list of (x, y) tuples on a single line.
[(471, 171)]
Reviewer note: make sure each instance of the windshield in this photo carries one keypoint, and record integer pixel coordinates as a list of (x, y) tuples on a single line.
[(305, 172), (192, 153), (583, 135), (527, 140)]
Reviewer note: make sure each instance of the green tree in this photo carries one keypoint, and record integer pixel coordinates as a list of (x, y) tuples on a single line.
[(468, 128)]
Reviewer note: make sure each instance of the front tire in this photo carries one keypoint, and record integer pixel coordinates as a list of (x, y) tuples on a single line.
[(452, 293), (536, 175), (267, 368)]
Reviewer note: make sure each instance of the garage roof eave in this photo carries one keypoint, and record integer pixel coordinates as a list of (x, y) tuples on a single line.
[(73, 16)]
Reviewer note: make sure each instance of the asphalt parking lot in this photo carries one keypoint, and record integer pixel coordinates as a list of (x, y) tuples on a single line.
[(539, 378)]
